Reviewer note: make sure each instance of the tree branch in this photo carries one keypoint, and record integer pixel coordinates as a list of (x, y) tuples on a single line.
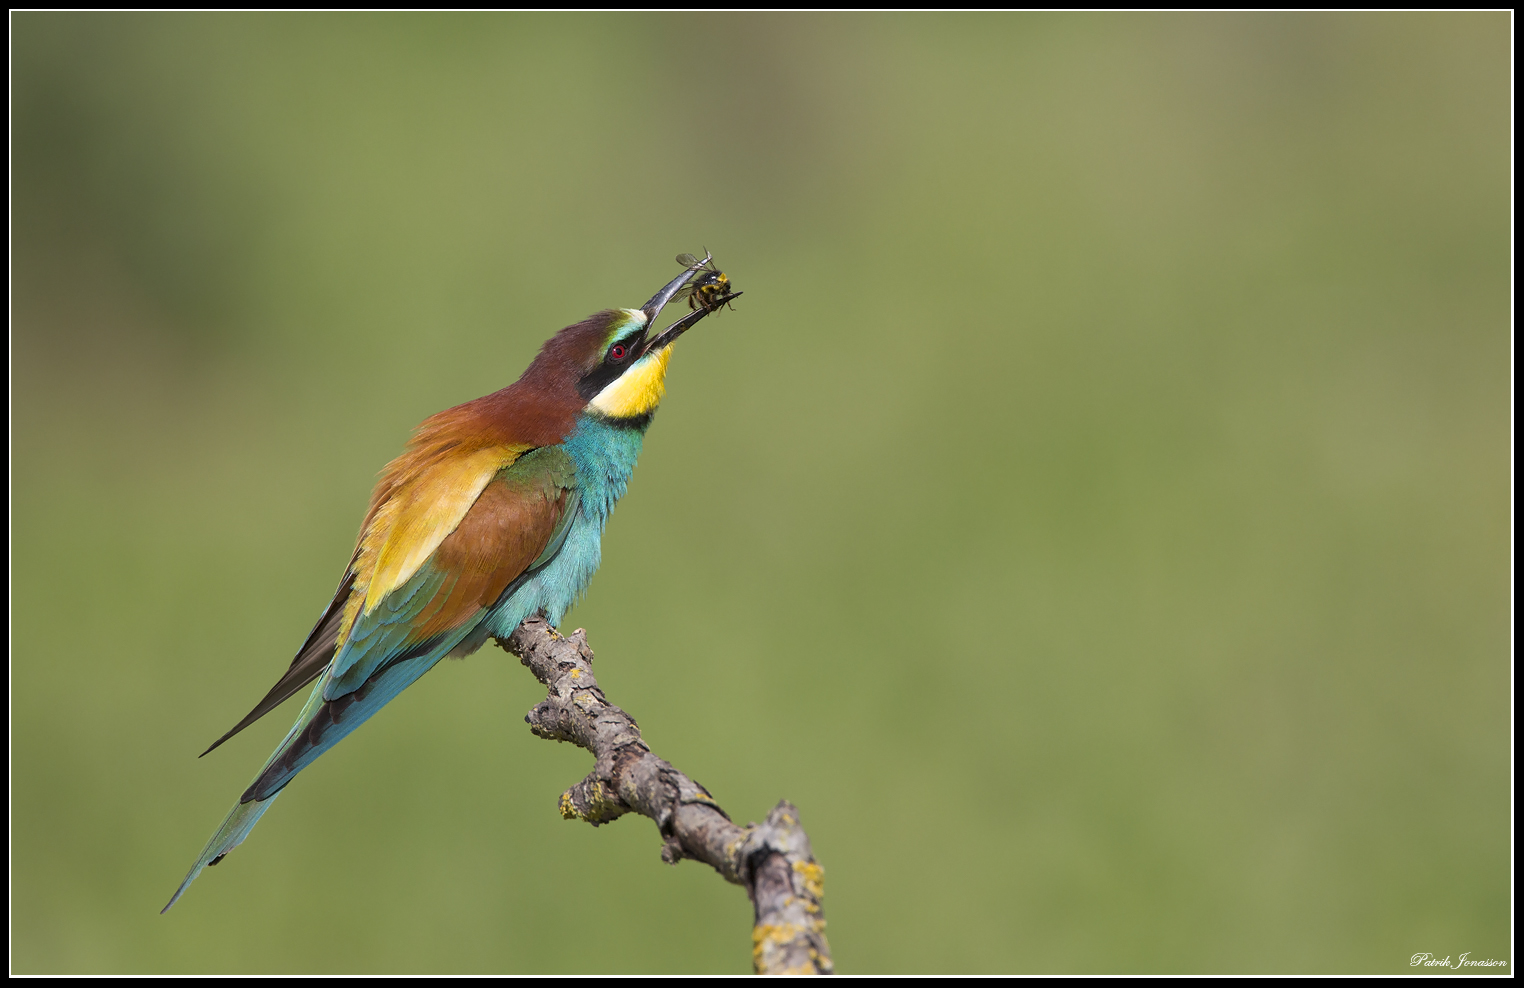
[(772, 861)]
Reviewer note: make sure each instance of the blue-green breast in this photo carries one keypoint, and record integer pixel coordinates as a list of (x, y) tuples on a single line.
[(604, 453)]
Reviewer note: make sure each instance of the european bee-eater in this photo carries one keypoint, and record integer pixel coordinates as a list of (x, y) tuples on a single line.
[(494, 511)]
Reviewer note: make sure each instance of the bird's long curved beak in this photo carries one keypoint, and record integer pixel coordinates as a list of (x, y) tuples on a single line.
[(684, 324), (653, 308)]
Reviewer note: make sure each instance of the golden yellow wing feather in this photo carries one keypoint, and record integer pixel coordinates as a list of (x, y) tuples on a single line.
[(421, 508)]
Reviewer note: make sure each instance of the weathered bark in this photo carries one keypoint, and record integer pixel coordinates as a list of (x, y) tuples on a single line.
[(772, 861)]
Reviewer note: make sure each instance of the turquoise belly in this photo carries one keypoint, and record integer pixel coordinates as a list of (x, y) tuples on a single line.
[(605, 455)]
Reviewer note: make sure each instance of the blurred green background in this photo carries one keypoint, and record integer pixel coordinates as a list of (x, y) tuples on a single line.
[(1095, 516)]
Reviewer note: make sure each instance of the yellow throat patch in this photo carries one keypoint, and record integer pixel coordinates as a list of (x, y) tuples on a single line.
[(638, 390)]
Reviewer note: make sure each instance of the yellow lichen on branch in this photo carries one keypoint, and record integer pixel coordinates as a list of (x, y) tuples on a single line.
[(771, 860), (814, 877)]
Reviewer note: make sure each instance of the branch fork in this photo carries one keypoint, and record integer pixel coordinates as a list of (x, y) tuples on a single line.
[(771, 860)]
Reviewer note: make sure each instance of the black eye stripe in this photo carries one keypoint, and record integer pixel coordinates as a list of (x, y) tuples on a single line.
[(618, 357)]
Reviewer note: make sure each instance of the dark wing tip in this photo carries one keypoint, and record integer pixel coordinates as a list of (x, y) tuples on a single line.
[(309, 663), (218, 743)]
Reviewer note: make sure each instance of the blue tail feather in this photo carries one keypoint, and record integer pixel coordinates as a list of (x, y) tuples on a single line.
[(321, 725), (335, 719), (228, 836)]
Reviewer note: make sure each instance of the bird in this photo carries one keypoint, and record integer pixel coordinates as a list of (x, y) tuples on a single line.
[(493, 513)]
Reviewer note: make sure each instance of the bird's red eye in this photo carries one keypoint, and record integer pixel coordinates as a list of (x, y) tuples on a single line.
[(617, 351)]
